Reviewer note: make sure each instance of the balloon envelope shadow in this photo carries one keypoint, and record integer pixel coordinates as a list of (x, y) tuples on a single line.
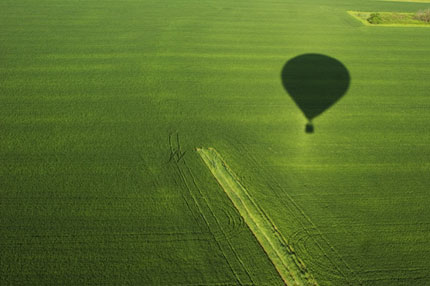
[(315, 82)]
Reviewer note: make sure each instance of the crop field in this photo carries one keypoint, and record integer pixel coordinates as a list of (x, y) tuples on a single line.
[(105, 104)]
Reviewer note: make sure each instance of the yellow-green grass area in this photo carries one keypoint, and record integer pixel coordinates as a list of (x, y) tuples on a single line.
[(289, 266), (395, 19)]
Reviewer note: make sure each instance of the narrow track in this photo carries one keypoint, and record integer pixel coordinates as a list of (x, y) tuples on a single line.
[(289, 266)]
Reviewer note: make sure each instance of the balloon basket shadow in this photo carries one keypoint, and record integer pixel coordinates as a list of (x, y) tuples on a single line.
[(309, 128)]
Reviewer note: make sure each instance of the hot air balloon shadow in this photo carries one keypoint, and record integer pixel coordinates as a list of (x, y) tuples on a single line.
[(315, 82)]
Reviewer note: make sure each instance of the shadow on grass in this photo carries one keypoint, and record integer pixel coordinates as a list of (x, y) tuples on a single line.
[(315, 82)]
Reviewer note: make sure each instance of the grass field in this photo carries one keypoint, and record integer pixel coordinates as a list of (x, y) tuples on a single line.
[(102, 106)]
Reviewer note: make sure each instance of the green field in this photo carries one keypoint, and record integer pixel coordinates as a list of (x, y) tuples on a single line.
[(102, 107)]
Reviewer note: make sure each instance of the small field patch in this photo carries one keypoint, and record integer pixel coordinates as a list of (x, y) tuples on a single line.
[(393, 19)]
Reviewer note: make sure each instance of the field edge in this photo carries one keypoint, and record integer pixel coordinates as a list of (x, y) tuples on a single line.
[(355, 15)]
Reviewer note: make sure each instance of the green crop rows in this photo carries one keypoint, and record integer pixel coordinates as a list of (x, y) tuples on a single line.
[(102, 106)]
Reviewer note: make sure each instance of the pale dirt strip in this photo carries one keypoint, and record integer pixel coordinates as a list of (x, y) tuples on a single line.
[(289, 266)]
